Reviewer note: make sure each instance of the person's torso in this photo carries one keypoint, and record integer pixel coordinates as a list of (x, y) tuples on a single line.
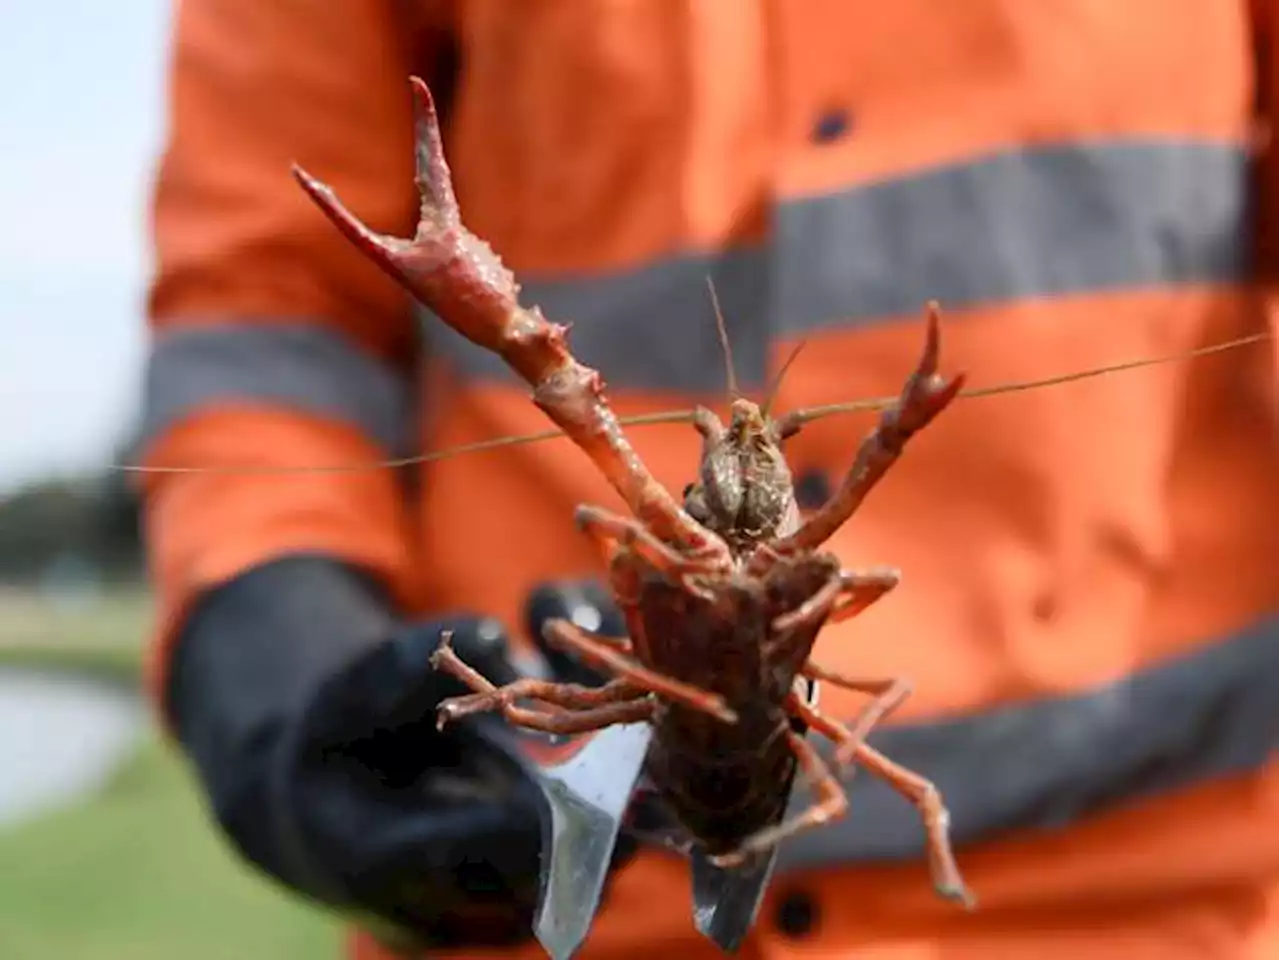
[(1069, 180)]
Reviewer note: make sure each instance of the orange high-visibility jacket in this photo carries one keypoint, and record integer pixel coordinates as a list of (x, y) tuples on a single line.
[(1088, 609)]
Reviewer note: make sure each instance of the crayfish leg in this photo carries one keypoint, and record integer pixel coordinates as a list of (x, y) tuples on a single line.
[(928, 800), (574, 708), (602, 653), (845, 595), (888, 694), (831, 804), (612, 533), (569, 722), (851, 746)]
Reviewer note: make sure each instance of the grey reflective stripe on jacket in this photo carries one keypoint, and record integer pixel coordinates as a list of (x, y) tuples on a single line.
[(1045, 764), (1075, 219), (302, 367), (1052, 221)]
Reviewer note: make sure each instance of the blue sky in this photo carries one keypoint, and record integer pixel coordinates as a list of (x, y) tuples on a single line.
[(81, 119)]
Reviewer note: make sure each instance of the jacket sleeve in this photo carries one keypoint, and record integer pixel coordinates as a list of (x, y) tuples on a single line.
[(275, 344)]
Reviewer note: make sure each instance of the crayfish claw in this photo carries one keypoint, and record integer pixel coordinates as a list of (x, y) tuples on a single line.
[(926, 393), (382, 249), (438, 204)]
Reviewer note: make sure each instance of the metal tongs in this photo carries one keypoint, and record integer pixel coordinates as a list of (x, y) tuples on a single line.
[(593, 787)]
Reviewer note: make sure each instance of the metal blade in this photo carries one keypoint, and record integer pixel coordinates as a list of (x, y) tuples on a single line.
[(590, 784), (725, 902), (587, 794)]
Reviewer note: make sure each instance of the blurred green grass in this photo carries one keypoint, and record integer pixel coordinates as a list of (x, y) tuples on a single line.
[(138, 871), (101, 636)]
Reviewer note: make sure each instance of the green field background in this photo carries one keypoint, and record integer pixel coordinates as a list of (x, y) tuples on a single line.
[(136, 872)]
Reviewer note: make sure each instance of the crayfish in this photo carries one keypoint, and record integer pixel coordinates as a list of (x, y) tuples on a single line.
[(723, 595)]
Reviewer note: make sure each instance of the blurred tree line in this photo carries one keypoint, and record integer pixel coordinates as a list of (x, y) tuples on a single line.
[(88, 523)]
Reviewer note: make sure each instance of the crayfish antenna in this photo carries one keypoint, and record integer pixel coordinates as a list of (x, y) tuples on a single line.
[(798, 418), (731, 376), (776, 386)]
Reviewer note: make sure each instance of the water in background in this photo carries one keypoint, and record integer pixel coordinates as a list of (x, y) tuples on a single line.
[(61, 738)]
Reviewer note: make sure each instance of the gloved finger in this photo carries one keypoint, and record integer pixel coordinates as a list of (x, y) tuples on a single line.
[(394, 682), (466, 863), (379, 793), (477, 844), (585, 603)]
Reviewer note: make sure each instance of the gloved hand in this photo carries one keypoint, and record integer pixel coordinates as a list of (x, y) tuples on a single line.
[(310, 714)]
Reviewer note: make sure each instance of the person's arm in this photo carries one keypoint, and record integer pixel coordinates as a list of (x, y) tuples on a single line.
[(308, 710), (274, 342)]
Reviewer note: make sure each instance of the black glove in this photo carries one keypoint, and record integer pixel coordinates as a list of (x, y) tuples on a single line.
[(310, 714), (588, 605)]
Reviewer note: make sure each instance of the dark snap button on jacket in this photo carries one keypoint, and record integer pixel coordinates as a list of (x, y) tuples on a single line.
[(813, 489), (797, 914), (831, 126)]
